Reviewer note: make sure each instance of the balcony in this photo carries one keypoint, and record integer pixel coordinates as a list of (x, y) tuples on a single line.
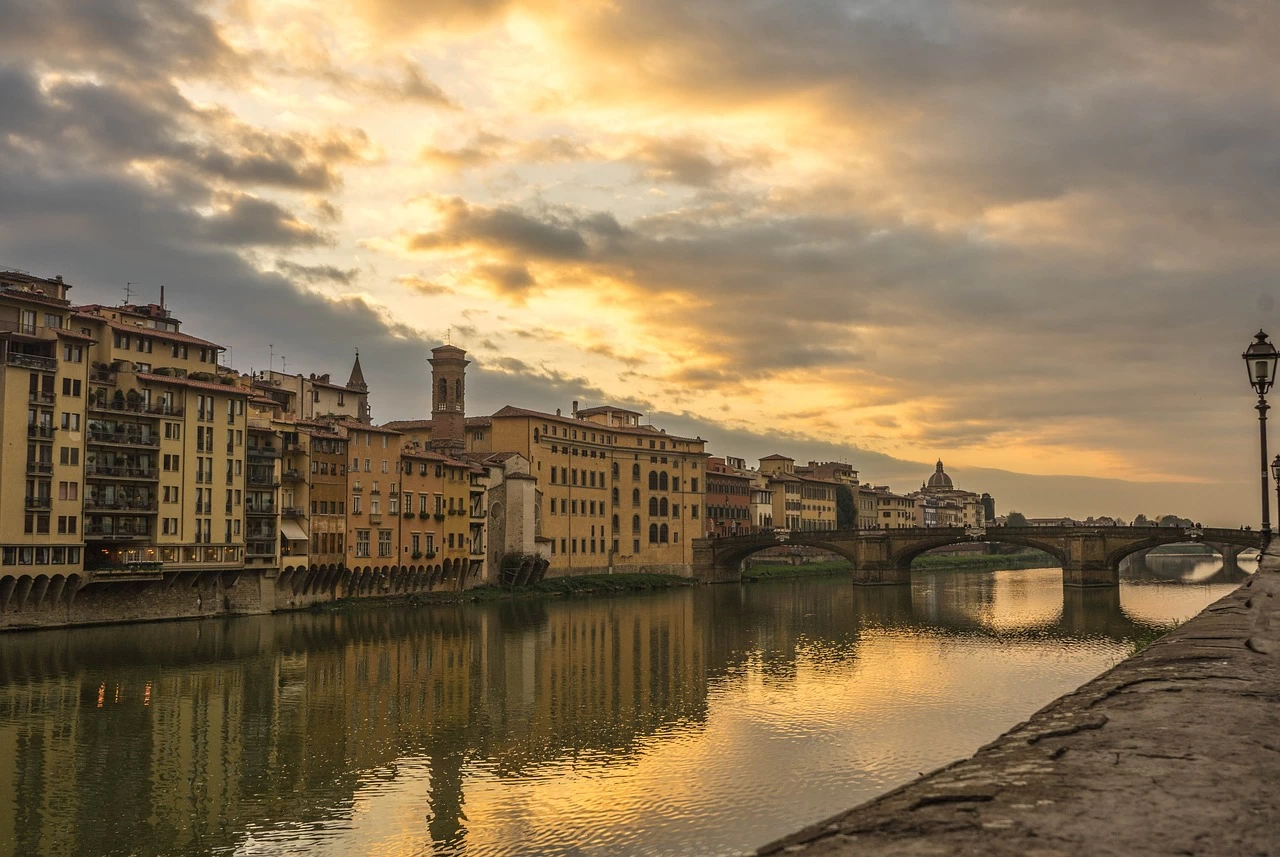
[(37, 468), (356, 489), (375, 491), (261, 510), (103, 471), (32, 361), (293, 512), (290, 475), (123, 438), (291, 446), (263, 452), (375, 517), (42, 398), (37, 502), (102, 376), (261, 536), (41, 432), (260, 550), (258, 481), (101, 531), (121, 507)]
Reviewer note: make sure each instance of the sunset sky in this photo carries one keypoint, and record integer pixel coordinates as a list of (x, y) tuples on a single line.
[(1031, 237)]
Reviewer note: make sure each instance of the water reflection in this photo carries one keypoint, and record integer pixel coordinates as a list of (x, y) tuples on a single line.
[(686, 722)]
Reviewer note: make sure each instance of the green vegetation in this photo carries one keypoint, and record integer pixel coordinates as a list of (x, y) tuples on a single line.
[(775, 570), (1146, 638), (1015, 519)]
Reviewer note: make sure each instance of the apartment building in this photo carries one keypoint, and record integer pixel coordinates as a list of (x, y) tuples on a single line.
[(373, 495), (728, 498)]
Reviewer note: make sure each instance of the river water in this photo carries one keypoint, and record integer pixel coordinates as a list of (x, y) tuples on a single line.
[(699, 721)]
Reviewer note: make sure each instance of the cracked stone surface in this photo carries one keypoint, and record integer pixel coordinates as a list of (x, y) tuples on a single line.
[(1174, 751)]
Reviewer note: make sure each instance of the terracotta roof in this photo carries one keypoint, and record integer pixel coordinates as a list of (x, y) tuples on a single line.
[(526, 476), (229, 389), (139, 330), (648, 431), (426, 455), (415, 425), (74, 334), (264, 400), (356, 425), (776, 457)]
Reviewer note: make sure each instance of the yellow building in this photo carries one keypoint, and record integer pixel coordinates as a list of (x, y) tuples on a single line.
[(613, 493), (44, 384), (373, 494), (894, 511)]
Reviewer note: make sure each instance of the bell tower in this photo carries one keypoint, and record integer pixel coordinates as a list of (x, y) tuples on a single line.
[(448, 399)]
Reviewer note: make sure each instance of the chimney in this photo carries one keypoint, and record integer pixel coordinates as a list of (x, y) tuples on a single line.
[(575, 408)]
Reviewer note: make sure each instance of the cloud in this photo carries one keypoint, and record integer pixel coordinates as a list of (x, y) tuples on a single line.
[(317, 273), (424, 286)]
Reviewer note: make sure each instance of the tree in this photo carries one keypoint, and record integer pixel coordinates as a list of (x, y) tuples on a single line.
[(1016, 519), (1141, 520), (1168, 520), (846, 511)]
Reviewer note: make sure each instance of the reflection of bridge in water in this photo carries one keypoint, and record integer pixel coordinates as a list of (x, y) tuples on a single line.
[(1090, 556)]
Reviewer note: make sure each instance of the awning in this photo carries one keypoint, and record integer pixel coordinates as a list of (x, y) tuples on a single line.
[(291, 531)]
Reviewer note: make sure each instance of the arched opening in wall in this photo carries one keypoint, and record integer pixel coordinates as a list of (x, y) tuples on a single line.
[(635, 524), (653, 534), (653, 480), (1190, 562), (653, 507), (663, 508), (615, 523), (635, 498), (663, 534), (963, 555), (635, 472), (614, 495), (663, 482)]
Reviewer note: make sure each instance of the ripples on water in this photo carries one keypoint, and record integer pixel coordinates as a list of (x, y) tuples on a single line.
[(697, 722)]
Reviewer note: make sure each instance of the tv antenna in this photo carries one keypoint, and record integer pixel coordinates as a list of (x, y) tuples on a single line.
[(128, 291)]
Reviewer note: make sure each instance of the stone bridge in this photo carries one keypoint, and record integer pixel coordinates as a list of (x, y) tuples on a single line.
[(1090, 556)]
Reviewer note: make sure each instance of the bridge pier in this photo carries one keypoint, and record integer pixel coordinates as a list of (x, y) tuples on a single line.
[(879, 574)]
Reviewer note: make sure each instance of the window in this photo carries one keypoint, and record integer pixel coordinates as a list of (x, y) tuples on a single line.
[(693, 511), (614, 496), (653, 507), (653, 480), (362, 543), (653, 534), (635, 524), (662, 507), (662, 534), (384, 543), (635, 497), (635, 472), (693, 486), (70, 422)]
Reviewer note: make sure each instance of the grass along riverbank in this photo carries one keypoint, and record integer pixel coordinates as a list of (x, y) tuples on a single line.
[(587, 584), (936, 562)]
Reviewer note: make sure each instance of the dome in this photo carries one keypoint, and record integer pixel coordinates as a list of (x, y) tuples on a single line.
[(940, 479)]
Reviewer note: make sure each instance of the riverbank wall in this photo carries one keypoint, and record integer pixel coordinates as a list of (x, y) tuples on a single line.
[(1176, 750)]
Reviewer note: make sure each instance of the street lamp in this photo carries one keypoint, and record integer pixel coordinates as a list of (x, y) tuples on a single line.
[(1275, 472), (1260, 359)]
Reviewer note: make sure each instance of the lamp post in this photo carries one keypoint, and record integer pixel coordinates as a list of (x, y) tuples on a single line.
[(1260, 360)]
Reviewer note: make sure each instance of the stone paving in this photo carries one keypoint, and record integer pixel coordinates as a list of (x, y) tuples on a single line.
[(1174, 751)]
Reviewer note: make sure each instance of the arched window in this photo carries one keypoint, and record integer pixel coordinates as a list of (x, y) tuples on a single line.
[(444, 390), (615, 496), (653, 534), (662, 534), (635, 524), (662, 507), (535, 435), (653, 507), (662, 481), (635, 496), (653, 480), (616, 524), (457, 390), (615, 470), (635, 471)]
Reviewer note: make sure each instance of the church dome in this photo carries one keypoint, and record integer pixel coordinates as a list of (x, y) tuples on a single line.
[(939, 478)]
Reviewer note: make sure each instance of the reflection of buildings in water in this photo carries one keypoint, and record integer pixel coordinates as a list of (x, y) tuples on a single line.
[(189, 750)]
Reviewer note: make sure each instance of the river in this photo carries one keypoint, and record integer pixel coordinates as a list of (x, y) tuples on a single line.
[(698, 721)]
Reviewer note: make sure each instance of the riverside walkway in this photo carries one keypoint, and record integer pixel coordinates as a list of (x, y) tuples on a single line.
[(1174, 751)]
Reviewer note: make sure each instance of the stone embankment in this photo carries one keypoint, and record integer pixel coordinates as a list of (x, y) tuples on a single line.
[(1174, 751)]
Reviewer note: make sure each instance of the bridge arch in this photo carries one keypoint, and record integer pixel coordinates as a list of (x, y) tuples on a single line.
[(903, 559), (1246, 539)]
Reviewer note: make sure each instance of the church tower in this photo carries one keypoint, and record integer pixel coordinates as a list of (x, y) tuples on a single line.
[(448, 399), (357, 385)]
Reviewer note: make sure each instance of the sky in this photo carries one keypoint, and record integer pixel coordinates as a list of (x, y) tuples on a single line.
[(1030, 239)]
